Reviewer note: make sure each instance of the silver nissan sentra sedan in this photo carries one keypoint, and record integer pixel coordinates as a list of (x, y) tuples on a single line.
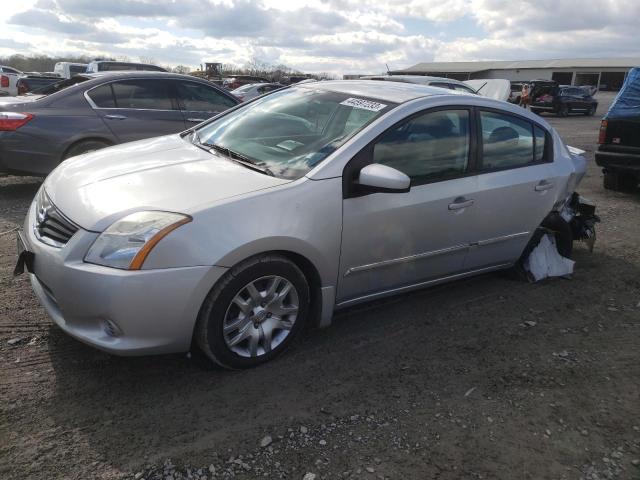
[(236, 234)]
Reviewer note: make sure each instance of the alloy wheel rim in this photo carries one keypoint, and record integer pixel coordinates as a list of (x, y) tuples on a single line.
[(260, 316)]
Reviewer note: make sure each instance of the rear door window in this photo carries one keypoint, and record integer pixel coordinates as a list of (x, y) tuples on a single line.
[(540, 139), (143, 94), (202, 98), (507, 141), (102, 96)]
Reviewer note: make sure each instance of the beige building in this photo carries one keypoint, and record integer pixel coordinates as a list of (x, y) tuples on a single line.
[(604, 73)]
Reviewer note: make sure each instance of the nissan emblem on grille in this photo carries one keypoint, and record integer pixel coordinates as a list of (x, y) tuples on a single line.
[(51, 226)]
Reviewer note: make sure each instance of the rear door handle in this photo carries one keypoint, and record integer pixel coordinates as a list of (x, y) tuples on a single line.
[(115, 117), (460, 203), (543, 186), (196, 120)]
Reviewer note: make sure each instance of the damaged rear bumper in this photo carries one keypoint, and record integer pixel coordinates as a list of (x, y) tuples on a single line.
[(581, 216)]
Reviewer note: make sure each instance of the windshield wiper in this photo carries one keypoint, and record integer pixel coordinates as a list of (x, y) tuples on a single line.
[(241, 159)]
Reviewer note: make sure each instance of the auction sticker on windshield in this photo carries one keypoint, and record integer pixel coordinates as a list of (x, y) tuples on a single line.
[(363, 104)]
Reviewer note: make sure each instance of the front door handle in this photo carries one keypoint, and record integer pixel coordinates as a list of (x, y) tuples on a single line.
[(115, 117), (196, 120), (460, 203), (543, 186)]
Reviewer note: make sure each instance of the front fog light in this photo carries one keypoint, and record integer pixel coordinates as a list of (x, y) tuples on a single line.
[(127, 242)]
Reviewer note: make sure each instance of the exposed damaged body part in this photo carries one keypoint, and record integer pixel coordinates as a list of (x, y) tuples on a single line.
[(581, 215), (549, 252)]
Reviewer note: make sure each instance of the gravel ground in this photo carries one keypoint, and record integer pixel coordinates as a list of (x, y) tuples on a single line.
[(486, 378)]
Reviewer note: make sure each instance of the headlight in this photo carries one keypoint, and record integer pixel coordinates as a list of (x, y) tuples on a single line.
[(127, 242)]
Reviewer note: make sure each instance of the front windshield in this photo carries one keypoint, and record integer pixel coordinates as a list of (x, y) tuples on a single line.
[(290, 131)]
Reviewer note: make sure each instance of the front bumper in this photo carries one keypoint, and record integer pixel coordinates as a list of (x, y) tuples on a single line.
[(118, 311)]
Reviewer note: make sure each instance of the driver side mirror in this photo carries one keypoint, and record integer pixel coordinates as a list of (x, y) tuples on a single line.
[(381, 178)]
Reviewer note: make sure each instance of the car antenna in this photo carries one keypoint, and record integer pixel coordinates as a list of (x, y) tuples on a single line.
[(387, 68)]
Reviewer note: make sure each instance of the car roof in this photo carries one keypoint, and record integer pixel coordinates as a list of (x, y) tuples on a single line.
[(412, 78), (122, 63), (260, 84), (139, 73), (396, 92)]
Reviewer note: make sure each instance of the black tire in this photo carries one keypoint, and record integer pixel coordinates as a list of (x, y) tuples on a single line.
[(536, 111), (208, 333), (619, 181), (563, 111), (85, 146), (592, 111)]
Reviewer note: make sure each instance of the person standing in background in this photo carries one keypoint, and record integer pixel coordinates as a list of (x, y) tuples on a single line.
[(524, 96)]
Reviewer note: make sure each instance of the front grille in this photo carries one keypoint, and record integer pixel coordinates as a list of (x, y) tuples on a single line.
[(51, 226)]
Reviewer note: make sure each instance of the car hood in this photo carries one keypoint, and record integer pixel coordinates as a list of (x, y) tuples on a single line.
[(164, 173)]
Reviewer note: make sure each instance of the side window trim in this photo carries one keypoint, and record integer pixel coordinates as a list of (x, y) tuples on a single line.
[(365, 156), (548, 150)]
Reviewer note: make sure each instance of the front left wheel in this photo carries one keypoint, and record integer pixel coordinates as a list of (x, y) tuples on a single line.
[(254, 313)]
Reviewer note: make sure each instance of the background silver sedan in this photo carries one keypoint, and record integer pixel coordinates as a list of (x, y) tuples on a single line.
[(253, 90), (237, 234)]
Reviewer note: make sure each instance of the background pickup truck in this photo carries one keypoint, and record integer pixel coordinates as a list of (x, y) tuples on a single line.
[(619, 142), (8, 81), (33, 83)]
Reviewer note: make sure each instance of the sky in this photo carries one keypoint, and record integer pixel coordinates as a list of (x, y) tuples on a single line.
[(339, 37)]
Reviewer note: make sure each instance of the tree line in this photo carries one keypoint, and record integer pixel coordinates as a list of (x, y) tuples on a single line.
[(256, 67)]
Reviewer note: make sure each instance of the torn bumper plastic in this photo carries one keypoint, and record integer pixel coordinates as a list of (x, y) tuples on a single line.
[(578, 219), (580, 213)]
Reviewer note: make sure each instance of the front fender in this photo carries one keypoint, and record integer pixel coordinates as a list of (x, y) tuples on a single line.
[(301, 217)]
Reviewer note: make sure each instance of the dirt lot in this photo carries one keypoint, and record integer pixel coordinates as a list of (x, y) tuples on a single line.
[(485, 378)]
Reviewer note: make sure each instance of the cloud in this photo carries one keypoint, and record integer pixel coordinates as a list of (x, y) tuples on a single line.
[(47, 20), (341, 36)]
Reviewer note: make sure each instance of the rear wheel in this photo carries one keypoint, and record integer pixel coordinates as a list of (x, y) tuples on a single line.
[(85, 146), (254, 313), (619, 181)]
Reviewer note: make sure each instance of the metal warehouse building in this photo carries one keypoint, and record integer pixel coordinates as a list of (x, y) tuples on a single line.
[(605, 73)]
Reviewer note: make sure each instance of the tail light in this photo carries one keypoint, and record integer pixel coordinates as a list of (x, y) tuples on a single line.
[(602, 138), (22, 88), (11, 121), (4, 81)]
